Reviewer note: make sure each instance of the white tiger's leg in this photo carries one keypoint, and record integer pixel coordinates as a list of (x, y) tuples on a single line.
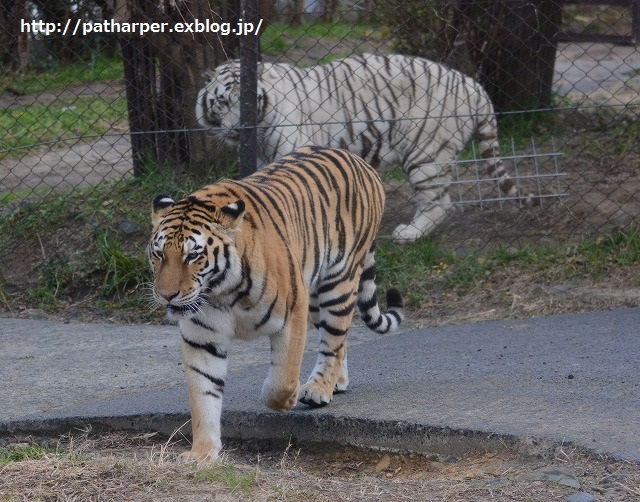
[(205, 341), (330, 373), (430, 183)]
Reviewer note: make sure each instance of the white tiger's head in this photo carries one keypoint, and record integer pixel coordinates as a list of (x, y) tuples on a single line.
[(218, 104)]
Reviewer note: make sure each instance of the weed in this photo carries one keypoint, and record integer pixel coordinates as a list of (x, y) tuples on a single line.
[(61, 76), (426, 266), (122, 271), (228, 475), (409, 267), (596, 256), (4, 295), (517, 129), (280, 37), (22, 452), (27, 126), (55, 274)]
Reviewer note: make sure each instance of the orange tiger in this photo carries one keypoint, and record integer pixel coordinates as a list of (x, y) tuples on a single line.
[(261, 255)]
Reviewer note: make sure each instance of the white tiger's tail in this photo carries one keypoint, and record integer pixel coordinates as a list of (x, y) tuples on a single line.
[(490, 152), (368, 302)]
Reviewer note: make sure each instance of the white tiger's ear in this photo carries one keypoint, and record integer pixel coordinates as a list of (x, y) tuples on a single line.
[(160, 207), (234, 212), (208, 76)]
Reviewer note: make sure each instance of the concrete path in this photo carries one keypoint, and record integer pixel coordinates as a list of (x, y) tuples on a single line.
[(526, 384)]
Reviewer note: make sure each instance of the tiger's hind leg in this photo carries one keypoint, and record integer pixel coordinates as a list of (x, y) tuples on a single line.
[(331, 315), (314, 316), (430, 183)]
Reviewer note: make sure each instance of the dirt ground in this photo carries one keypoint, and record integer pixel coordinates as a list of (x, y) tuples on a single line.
[(143, 467)]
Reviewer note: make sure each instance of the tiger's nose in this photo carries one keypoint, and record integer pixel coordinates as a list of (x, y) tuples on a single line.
[(167, 296)]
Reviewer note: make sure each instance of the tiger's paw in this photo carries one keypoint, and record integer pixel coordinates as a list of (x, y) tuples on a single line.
[(342, 384), (314, 395), (406, 234), (341, 387), (281, 398), (200, 456)]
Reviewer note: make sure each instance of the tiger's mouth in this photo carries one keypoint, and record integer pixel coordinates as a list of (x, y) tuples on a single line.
[(232, 137), (184, 310)]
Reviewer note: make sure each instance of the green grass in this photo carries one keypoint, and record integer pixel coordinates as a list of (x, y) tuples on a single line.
[(280, 37), (26, 126), (22, 452), (61, 76), (76, 244), (425, 266), (123, 272), (618, 249), (227, 475), (77, 247)]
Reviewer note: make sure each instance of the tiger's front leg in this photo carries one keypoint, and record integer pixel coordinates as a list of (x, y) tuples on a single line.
[(205, 341), (280, 388)]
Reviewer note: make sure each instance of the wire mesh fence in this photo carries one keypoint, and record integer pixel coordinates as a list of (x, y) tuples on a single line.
[(104, 103)]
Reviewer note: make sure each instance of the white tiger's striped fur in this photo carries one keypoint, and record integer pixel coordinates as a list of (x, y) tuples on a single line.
[(388, 109)]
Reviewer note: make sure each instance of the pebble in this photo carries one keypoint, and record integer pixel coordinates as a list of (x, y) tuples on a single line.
[(560, 288), (561, 476), (36, 314), (383, 464), (129, 227), (580, 497)]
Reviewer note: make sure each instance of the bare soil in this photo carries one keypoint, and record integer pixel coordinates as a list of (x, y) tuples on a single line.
[(143, 467)]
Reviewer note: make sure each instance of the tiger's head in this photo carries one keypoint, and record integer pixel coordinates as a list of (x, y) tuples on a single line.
[(218, 104), (192, 252)]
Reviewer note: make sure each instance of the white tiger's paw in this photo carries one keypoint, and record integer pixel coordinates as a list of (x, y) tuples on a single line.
[(406, 234), (314, 396)]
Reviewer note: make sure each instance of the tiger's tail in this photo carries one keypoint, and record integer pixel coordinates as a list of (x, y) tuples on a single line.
[(368, 302), (490, 152)]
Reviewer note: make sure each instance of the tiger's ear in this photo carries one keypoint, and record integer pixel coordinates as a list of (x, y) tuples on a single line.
[(160, 207), (208, 76), (233, 214)]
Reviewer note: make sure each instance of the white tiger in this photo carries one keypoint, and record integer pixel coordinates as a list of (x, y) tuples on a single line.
[(388, 109)]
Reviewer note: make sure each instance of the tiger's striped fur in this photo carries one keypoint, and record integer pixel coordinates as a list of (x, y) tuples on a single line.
[(388, 109), (259, 256)]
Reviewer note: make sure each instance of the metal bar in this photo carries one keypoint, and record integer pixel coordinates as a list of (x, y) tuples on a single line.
[(499, 199), (635, 22), (518, 177), (249, 53)]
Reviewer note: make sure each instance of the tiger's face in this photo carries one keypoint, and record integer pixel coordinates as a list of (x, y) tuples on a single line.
[(192, 252), (218, 104)]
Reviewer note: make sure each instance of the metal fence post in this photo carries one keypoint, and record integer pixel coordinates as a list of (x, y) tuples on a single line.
[(249, 52)]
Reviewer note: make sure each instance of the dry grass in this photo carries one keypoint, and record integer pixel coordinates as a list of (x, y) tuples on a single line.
[(143, 467)]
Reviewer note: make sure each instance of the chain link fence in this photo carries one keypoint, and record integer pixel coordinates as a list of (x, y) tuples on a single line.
[(102, 105)]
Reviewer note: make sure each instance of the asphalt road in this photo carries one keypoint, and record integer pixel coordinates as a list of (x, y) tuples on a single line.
[(525, 384)]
